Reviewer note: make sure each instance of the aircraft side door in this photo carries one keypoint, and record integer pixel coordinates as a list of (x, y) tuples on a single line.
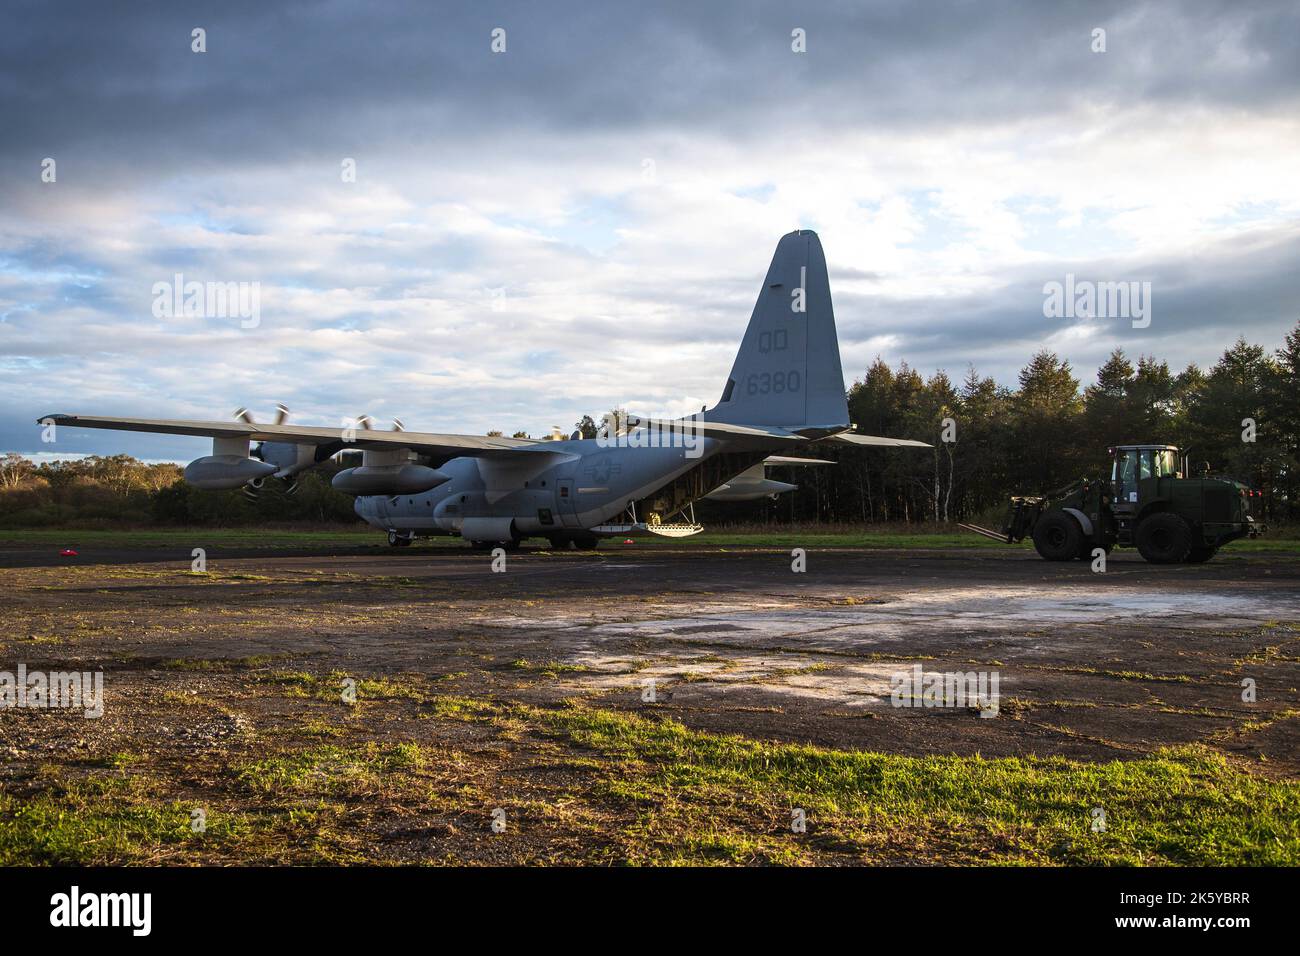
[(565, 503)]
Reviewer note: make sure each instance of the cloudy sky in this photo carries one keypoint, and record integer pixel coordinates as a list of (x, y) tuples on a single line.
[(584, 219)]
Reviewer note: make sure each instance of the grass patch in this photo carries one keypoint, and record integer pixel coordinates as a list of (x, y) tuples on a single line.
[(648, 790), (778, 538), (548, 668), (331, 686), (330, 770), (805, 536), (106, 820), (190, 537), (219, 664), (706, 795)]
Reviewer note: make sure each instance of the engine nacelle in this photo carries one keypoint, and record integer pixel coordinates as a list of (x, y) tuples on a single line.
[(488, 529), (221, 472), (289, 458), (388, 480)]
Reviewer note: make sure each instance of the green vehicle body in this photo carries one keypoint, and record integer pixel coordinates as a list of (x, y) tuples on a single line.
[(1148, 502)]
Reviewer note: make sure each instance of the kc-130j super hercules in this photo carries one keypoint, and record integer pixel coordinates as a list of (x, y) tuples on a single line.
[(785, 393)]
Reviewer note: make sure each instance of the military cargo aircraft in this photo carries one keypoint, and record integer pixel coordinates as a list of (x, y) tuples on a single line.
[(640, 475)]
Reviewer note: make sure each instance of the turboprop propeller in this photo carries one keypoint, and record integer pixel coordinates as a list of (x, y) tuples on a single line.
[(284, 455), (291, 458)]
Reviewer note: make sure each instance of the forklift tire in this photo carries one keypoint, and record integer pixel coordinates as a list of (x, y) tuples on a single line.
[(1164, 538), (1087, 547), (1201, 555), (1058, 537)]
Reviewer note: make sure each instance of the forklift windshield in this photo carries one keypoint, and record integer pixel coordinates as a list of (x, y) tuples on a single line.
[(1134, 464)]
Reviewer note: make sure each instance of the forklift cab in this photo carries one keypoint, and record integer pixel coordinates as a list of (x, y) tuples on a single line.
[(1133, 463)]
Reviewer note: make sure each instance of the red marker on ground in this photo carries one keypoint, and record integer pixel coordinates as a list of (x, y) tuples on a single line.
[(67, 553)]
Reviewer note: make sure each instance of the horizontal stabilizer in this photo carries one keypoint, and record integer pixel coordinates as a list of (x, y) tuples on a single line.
[(783, 460), (699, 426), (852, 438)]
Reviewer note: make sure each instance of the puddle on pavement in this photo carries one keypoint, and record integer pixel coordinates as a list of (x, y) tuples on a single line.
[(745, 636)]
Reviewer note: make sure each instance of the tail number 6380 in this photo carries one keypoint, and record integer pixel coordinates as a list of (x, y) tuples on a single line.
[(772, 383)]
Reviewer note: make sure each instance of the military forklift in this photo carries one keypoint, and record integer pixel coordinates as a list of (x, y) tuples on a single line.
[(1149, 501)]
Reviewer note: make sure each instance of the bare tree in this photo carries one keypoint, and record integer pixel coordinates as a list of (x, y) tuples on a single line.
[(14, 470)]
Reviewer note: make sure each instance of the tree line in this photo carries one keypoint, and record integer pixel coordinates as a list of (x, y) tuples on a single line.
[(120, 490), (1242, 416)]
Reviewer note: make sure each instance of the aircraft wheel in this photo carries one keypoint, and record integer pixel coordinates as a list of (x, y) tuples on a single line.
[(559, 542), (1164, 538), (1058, 537), (586, 542), (398, 540)]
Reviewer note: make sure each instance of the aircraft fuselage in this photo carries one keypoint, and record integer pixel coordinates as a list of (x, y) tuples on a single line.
[(587, 485)]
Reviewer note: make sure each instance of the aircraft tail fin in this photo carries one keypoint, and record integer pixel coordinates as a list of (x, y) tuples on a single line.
[(787, 371)]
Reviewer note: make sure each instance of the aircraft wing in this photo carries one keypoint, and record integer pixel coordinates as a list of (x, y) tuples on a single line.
[(428, 443), (852, 438)]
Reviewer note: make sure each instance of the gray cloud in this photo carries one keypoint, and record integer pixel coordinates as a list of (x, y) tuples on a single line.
[(954, 158), (115, 86), (1248, 286)]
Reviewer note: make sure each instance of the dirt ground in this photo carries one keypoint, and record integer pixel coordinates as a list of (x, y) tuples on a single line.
[(205, 675)]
